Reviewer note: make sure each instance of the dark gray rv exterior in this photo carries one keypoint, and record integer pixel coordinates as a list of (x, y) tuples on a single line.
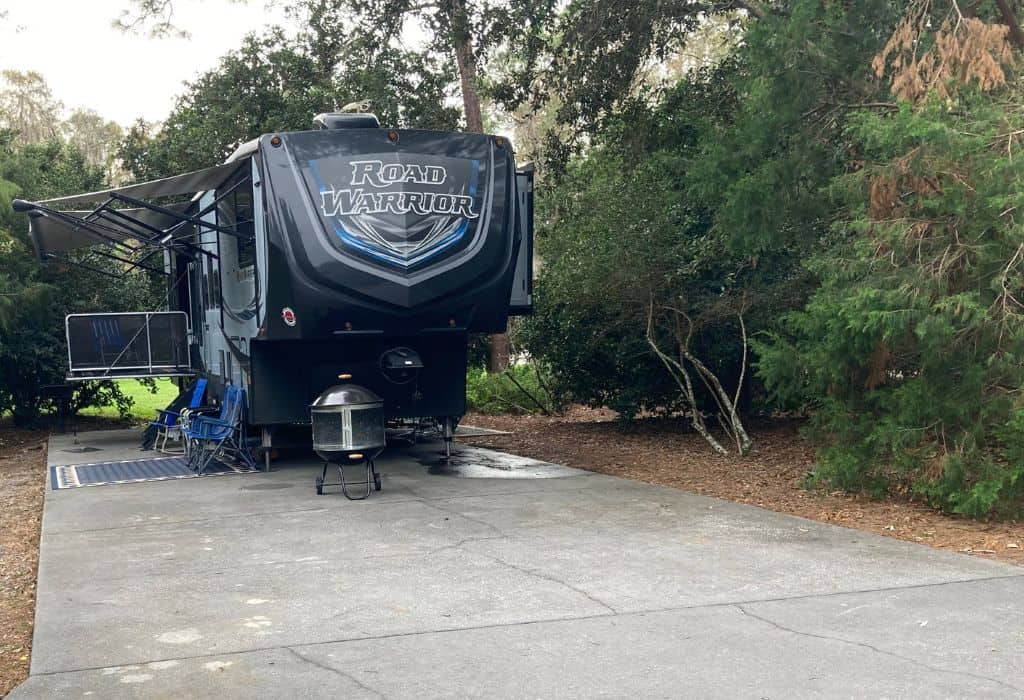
[(337, 254), (353, 296)]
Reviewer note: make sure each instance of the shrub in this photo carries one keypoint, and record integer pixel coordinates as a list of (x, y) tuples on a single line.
[(522, 388), (913, 347)]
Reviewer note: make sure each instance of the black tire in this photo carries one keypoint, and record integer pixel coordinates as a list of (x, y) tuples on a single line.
[(376, 482), (319, 486)]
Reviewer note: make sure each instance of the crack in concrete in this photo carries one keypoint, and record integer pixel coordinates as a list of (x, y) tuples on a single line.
[(331, 669), (553, 579), (529, 572), (524, 623), (461, 543), (217, 570), (470, 518), (877, 650)]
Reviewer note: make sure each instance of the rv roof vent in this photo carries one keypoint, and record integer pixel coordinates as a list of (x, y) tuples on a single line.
[(344, 120)]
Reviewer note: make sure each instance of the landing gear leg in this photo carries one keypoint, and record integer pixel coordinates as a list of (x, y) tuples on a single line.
[(449, 433), (319, 481), (266, 442)]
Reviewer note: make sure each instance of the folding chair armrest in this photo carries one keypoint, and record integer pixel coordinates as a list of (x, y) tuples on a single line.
[(207, 420)]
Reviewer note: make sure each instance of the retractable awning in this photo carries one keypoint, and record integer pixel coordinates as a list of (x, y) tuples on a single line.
[(188, 183), (127, 221)]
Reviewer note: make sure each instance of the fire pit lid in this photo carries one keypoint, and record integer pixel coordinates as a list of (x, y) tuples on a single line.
[(346, 395)]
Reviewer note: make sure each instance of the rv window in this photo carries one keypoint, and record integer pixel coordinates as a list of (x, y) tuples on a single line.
[(195, 292), (212, 285), (245, 226), (235, 212)]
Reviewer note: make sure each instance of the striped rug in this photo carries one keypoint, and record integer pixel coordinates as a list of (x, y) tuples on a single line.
[(132, 471)]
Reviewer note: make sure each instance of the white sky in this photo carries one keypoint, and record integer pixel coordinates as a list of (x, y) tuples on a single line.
[(88, 63)]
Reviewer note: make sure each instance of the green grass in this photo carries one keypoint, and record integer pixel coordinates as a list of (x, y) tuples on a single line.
[(145, 405)]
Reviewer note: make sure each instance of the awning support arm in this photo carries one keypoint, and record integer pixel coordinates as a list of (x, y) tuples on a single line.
[(92, 227), (85, 267), (158, 233), (132, 263), (193, 219)]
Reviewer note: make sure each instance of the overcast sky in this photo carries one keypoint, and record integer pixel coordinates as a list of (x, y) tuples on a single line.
[(88, 63)]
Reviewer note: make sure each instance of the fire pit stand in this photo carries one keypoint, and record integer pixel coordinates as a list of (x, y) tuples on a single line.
[(372, 478)]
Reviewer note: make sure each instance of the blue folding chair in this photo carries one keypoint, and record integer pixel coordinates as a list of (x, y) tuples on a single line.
[(169, 423), (221, 438)]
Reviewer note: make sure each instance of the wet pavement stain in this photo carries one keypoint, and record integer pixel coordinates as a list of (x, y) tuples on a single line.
[(481, 465)]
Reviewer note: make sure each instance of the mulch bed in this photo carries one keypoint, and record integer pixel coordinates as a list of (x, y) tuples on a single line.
[(665, 453), (22, 479)]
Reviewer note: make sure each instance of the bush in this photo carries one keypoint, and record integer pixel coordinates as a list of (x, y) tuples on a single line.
[(592, 358), (913, 347), (642, 304), (521, 389)]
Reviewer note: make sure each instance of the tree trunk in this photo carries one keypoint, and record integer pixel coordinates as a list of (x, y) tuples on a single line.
[(677, 370), (462, 42), (1010, 20)]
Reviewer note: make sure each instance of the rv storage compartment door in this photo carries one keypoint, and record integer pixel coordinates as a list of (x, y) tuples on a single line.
[(522, 284), (127, 345)]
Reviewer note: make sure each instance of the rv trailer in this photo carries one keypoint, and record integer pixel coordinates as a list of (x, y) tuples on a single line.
[(349, 253)]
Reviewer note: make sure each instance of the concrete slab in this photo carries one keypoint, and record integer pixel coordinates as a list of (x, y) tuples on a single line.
[(579, 585), (96, 446)]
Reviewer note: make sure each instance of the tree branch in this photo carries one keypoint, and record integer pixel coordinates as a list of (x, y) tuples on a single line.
[(754, 8), (534, 399), (743, 364), (677, 370)]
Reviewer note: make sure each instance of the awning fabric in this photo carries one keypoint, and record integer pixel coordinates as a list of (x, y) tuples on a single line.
[(188, 183), (70, 230)]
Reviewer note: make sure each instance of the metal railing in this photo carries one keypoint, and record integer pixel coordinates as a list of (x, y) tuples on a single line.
[(132, 344)]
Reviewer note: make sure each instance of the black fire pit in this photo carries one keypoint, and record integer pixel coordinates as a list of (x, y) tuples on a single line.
[(348, 428)]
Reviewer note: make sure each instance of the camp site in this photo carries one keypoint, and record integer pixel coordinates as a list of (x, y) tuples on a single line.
[(511, 349)]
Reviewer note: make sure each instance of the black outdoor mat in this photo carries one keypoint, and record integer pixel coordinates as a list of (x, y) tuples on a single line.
[(132, 471)]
